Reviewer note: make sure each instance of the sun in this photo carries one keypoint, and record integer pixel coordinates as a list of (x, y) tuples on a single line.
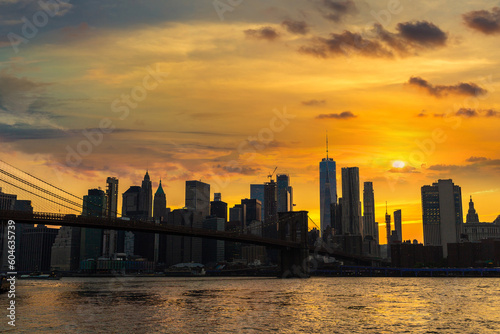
[(398, 164)]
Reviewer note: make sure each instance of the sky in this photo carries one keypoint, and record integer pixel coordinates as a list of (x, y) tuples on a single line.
[(225, 91)]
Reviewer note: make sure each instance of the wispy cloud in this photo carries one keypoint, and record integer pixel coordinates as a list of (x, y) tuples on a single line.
[(266, 33), (342, 115), (462, 88)]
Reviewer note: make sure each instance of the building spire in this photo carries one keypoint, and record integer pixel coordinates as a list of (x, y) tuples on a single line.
[(386, 208), (326, 144)]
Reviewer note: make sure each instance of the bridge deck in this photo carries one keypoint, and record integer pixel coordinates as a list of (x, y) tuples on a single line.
[(57, 219)]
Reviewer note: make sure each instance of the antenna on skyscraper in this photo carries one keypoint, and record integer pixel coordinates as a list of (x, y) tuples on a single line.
[(326, 144), (386, 207)]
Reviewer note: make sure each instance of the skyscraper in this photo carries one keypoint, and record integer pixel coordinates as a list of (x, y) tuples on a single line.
[(397, 225), (327, 189), (36, 248), (351, 205), (369, 227), (388, 231), (94, 205), (110, 236), (160, 205), (252, 210), (257, 192), (112, 197), (218, 208), (472, 216), (146, 199), (284, 193), (198, 197), (442, 214)]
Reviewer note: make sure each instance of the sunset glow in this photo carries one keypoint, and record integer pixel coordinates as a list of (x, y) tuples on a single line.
[(190, 96)]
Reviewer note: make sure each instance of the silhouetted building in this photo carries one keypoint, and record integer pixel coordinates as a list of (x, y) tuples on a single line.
[(312, 236), (10, 202), (252, 209), (110, 237), (137, 205), (257, 192), (184, 249), (238, 214), (327, 189), (218, 208), (442, 214), (388, 231), (94, 205), (65, 255), (198, 196), (336, 217), (397, 225), (36, 248), (146, 198), (474, 254), (160, 205), (232, 250), (351, 205), (370, 228), (284, 193), (411, 255), (270, 202), (213, 250), (271, 210), (472, 216), (479, 231)]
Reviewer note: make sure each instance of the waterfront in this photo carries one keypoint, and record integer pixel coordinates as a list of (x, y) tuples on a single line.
[(252, 305)]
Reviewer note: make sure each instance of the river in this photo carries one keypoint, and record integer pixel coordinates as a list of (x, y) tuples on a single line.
[(256, 305)]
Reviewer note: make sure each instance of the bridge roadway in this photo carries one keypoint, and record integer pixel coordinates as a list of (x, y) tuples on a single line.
[(58, 219)]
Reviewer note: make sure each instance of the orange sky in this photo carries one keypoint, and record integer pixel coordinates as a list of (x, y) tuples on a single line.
[(415, 82)]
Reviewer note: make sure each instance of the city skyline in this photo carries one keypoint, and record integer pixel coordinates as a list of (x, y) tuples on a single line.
[(220, 106)]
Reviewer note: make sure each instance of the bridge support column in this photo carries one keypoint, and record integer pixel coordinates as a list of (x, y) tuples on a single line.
[(292, 226)]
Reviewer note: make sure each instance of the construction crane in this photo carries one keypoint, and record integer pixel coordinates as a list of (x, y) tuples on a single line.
[(270, 176)]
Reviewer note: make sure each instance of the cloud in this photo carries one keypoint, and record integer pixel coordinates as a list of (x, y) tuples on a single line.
[(346, 43), (492, 113), (243, 170), (14, 133), (484, 21), (314, 103), (476, 164), (467, 112), (338, 9), (410, 38), (422, 114), (423, 33), (467, 89), (476, 159), (296, 27), (405, 169), (267, 33), (342, 115)]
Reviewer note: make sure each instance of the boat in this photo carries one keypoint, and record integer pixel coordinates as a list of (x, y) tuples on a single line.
[(38, 275)]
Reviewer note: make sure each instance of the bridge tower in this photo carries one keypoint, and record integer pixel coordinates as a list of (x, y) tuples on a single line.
[(292, 226)]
